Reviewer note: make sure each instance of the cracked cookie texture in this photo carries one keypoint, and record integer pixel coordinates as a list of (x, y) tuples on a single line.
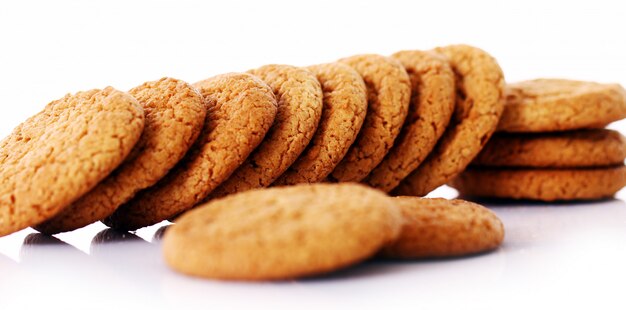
[(479, 104), (174, 116), (388, 95), (432, 103), (59, 154), (241, 109), (299, 98), (345, 106)]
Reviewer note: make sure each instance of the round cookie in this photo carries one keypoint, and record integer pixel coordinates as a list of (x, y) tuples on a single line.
[(572, 149), (299, 97), (345, 106), (479, 104), (438, 227), (59, 154), (282, 232), (174, 116), (388, 95), (432, 104), (241, 108), (542, 184), (555, 105)]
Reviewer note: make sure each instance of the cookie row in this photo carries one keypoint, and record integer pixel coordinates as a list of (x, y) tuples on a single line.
[(552, 145), (235, 132), (396, 133), (311, 229), (405, 124)]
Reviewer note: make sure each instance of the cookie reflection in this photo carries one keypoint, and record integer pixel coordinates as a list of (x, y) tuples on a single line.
[(47, 257), (38, 247), (158, 235), (112, 246), (111, 235), (127, 256)]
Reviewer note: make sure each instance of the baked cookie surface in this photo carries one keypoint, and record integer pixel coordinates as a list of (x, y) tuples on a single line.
[(432, 103), (555, 105), (61, 153), (282, 232), (542, 184), (345, 106), (479, 104), (299, 97), (388, 94), (571, 149), (241, 108), (438, 227), (174, 116)]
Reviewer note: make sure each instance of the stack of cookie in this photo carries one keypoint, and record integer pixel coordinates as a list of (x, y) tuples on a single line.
[(551, 144)]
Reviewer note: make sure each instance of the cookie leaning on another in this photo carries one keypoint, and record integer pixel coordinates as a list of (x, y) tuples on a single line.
[(432, 103), (174, 115), (479, 104), (388, 97), (299, 99), (241, 108), (62, 152), (345, 107)]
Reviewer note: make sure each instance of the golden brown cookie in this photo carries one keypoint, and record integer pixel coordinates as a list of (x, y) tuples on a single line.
[(174, 116), (345, 106), (241, 108), (432, 103), (282, 232), (479, 104), (555, 105), (299, 97), (388, 96), (570, 149), (58, 155), (444, 228), (542, 184)]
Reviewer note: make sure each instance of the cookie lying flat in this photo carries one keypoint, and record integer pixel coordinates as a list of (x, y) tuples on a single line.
[(389, 94), (480, 86), (282, 232), (58, 155), (432, 103), (554, 105), (174, 115), (241, 108), (444, 228), (570, 149), (299, 97), (345, 106), (542, 184)]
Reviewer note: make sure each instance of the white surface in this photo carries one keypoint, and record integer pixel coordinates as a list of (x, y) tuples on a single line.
[(553, 256)]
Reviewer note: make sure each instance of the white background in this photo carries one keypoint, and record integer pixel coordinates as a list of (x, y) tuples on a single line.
[(559, 256)]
